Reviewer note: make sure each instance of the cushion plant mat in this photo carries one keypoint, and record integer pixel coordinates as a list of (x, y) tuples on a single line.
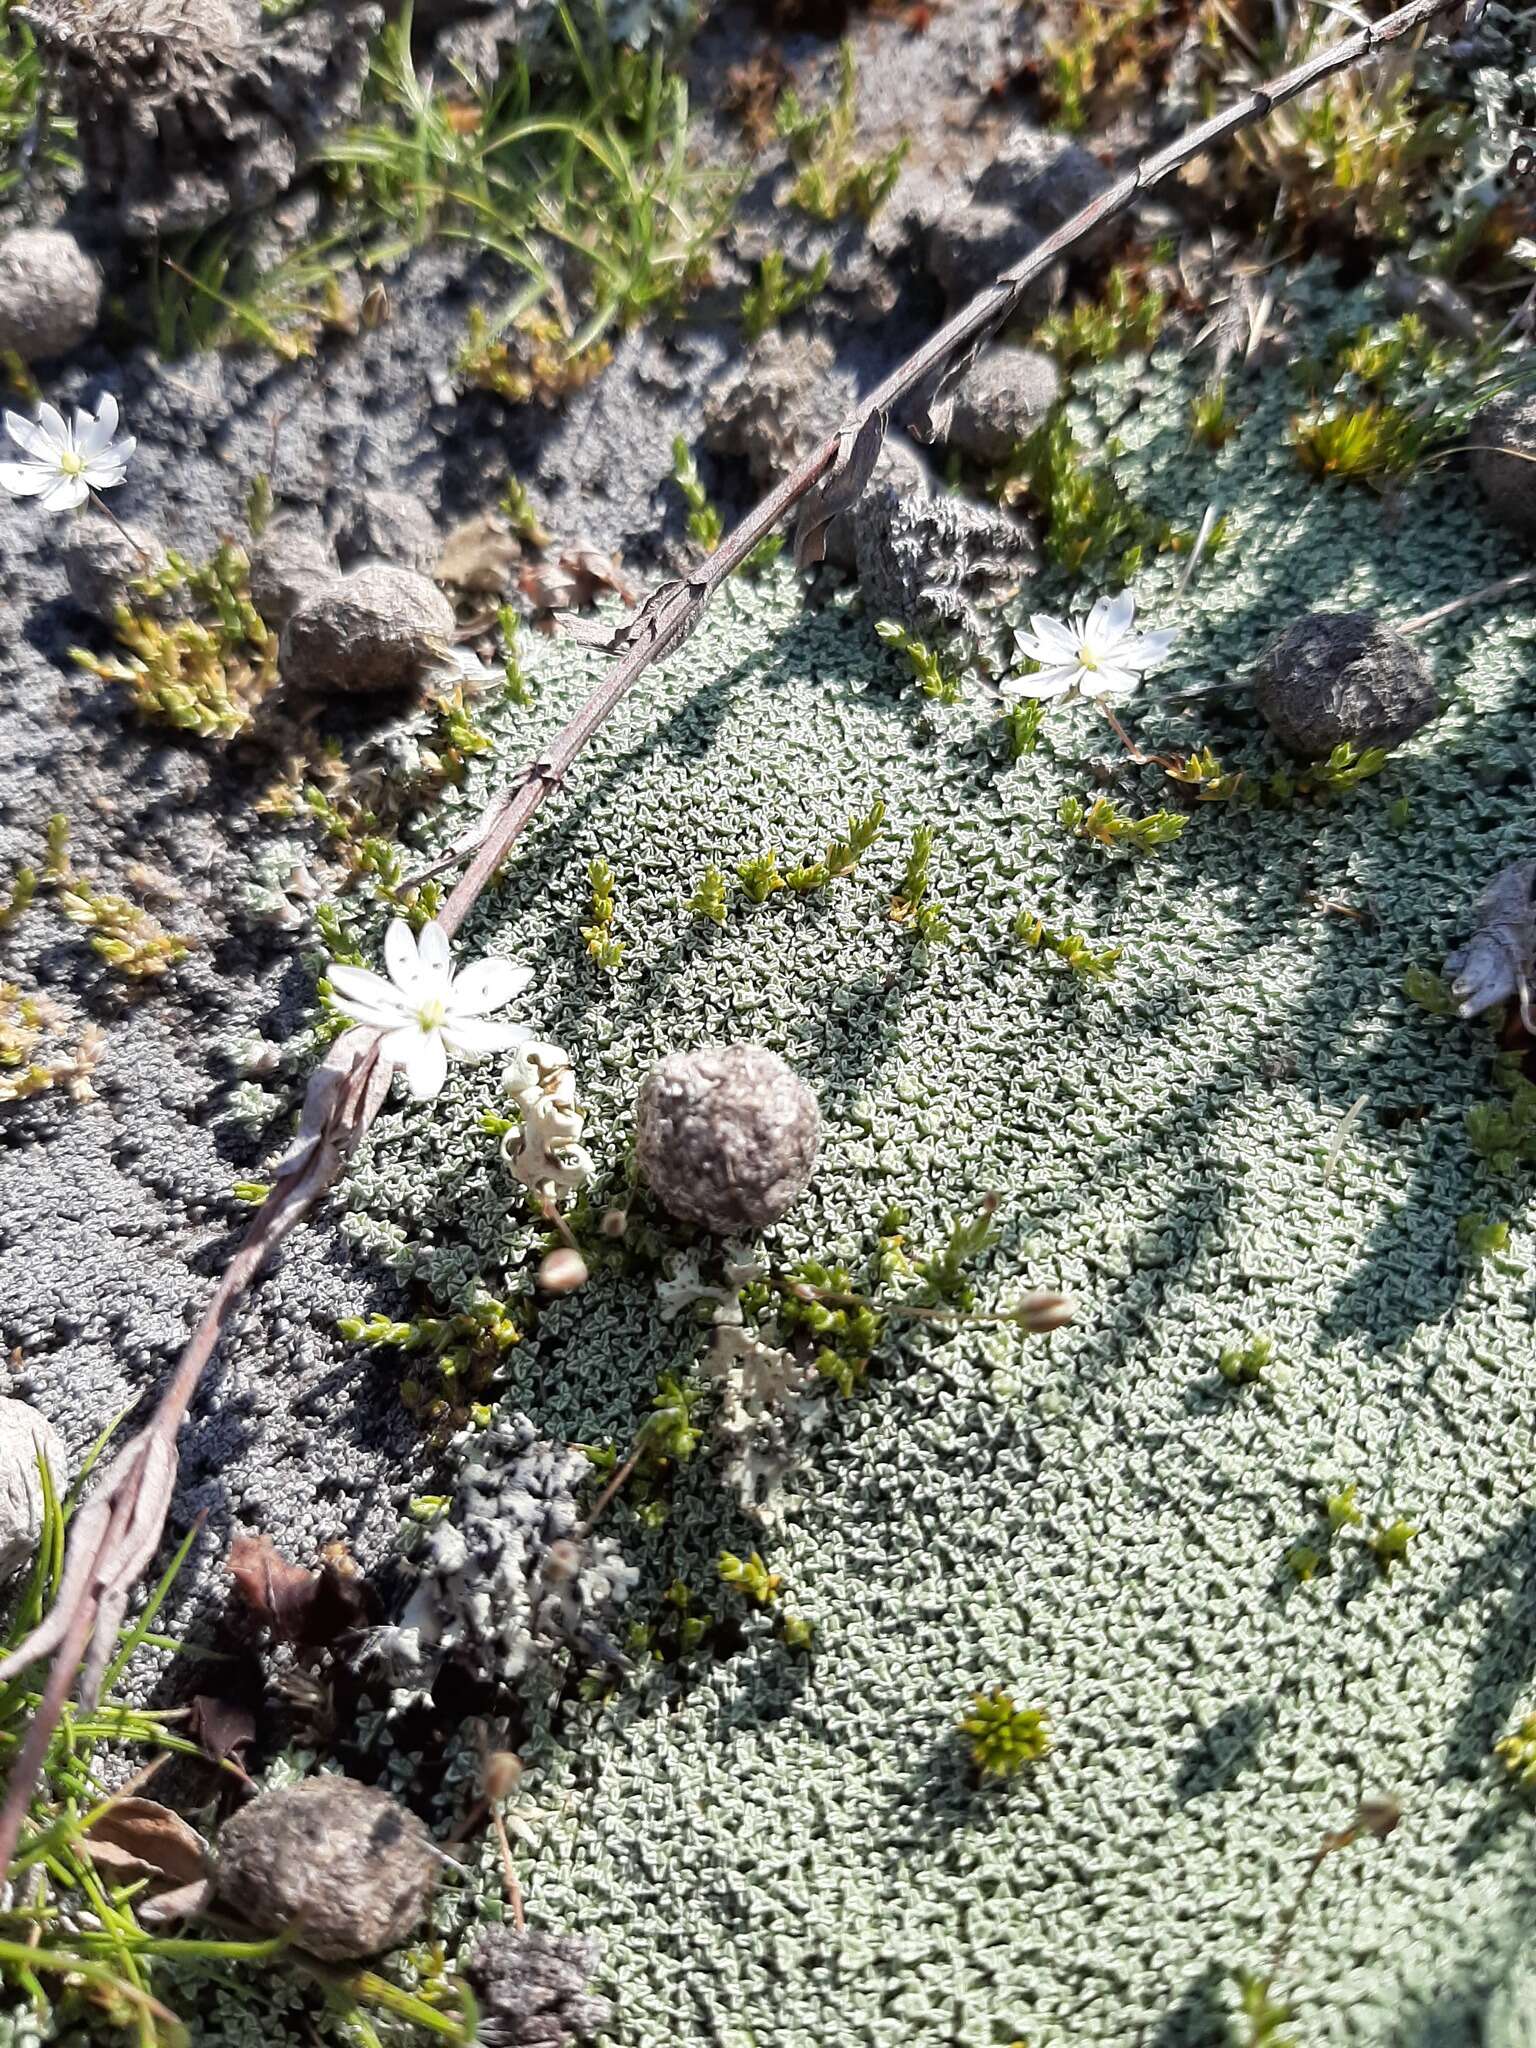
[(1248, 1130)]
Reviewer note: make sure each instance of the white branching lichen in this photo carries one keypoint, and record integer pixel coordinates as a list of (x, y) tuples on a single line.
[(769, 1405)]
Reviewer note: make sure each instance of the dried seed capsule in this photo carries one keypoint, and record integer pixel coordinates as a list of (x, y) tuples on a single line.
[(1342, 676), (726, 1136), (345, 1865)]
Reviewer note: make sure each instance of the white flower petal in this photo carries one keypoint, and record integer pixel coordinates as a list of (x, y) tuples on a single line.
[(1056, 636), (476, 1038), (30, 438), (402, 962), (92, 437), (106, 418), (1118, 614), (26, 479), (63, 494), (102, 475), (366, 996), (434, 951), (1142, 650), (1111, 682), (421, 1056), (1050, 682), (1092, 628), (55, 431), (486, 985)]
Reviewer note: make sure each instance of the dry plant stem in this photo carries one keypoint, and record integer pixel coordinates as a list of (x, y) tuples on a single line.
[(1489, 594), (114, 1538), (1137, 754), (509, 1871), (106, 512), (604, 1500)]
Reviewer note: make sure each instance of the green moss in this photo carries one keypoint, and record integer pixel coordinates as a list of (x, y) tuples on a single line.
[(831, 179), (1004, 1737), (603, 945), (775, 293), (203, 671), (1128, 315), (1245, 1365), (1106, 824)]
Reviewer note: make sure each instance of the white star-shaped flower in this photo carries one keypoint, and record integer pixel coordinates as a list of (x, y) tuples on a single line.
[(1098, 657), (427, 1013), (64, 463)]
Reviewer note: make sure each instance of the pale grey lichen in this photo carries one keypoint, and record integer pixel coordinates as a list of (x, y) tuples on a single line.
[(189, 110), (545, 1151), (507, 1575), (941, 565), (768, 1405)]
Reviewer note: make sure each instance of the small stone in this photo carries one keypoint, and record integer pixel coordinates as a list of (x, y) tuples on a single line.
[(376, 628), (726, 1136), (50, 293), (941, 566), (101, 560), (345, 1865), (998, 403), (388, 526), (786, 396), (291, 560), (1342, 676), (23, 1434), (1503, 438)]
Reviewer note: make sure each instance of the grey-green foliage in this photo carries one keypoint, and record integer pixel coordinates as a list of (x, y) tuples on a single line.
[(784, 1849)]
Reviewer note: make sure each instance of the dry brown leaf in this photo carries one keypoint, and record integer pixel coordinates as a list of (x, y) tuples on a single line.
[(573, 579), (223, 1727), (140, 1838), (479, 556), (305, 1608)]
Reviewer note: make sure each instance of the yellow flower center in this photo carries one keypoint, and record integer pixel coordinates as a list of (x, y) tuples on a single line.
[(72, 464), (1086, 658), (433, 1014)]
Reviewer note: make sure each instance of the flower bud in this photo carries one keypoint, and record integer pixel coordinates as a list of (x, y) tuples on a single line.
[(1041, 1312), (562, 1272)]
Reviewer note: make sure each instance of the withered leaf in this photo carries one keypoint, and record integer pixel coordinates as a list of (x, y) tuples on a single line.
[(858, 450), (223, 1727), (140, 1838), (574, 579), (480, 556), (305, 1608)]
